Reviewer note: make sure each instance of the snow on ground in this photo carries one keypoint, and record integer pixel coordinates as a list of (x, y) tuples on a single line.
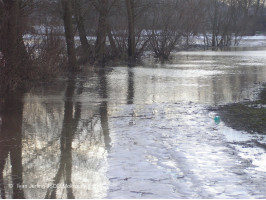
[(245, 41), (177, 151), (253, 41)]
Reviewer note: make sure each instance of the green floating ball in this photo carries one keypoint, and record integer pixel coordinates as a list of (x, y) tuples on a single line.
[(217, 120)]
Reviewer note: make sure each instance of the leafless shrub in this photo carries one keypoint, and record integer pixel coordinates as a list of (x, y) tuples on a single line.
[(165, 31), (47, 52)]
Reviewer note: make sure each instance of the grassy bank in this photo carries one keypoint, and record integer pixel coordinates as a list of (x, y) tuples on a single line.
[(246, 116)]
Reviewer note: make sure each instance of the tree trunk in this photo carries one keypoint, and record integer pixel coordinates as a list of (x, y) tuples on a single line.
[(10, 33), (67, 17), (115, 51), (131, 30), (87, 53), (214, 24), (12, 44), (101, 33)]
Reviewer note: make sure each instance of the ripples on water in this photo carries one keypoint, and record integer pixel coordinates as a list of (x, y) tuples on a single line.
[(65, 133)]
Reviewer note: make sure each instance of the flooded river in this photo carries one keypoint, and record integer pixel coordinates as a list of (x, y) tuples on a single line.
[(136, 132)]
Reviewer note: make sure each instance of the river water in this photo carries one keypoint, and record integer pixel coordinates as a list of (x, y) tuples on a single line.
[(136, 132)]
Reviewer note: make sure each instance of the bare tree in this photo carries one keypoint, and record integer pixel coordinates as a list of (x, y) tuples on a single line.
[(228, 20), (136, 11), (192, 19), (69, 34), (102, 7), (165, 31), (130, 5), (79, 16), (103, 30), (13, 23)]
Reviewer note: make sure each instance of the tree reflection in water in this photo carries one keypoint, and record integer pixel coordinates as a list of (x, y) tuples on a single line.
[(104, 108), (70, 124), (81, 132), (130, 92), (69, 129), (11, 144)]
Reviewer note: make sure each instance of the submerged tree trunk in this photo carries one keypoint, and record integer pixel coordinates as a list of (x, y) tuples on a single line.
[(9, 36), (87, 53), (214, 23), (101, 33), (12, 44), (115, 51), (131, 30), (67, 17)]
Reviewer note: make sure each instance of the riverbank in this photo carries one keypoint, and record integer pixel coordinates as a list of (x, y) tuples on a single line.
[(246, 116)]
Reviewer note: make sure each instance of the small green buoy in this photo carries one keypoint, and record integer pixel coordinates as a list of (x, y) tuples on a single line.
[(217, 119)]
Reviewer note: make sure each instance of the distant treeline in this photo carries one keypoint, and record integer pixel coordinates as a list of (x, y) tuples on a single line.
[(39, 37)]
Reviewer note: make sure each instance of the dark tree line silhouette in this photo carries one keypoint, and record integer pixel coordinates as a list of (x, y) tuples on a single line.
[(39, 37)]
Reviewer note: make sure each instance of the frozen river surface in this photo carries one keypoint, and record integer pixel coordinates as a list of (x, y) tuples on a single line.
[(136, 132)]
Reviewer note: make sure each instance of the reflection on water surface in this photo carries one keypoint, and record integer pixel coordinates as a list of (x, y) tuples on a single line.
[(55, 139)]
